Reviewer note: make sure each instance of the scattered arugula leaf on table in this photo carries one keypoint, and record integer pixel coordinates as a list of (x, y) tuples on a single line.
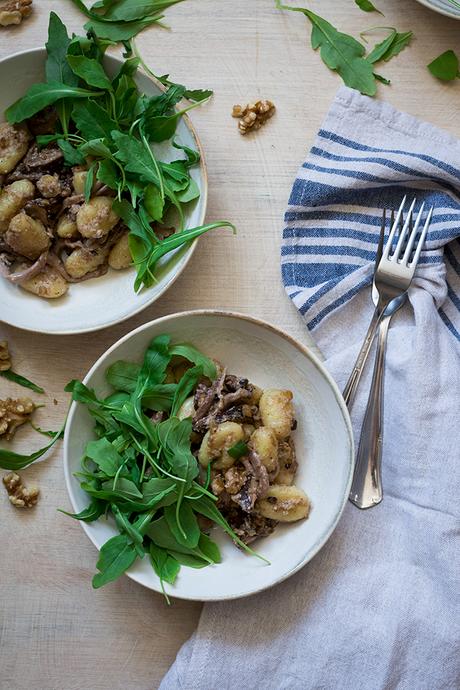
[(367, 6), (445, 66), (21, 380)]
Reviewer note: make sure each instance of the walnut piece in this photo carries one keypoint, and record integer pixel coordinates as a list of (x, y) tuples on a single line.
[(13, 11), (19, 495), (253, 115), (13, 413), (5, 357)]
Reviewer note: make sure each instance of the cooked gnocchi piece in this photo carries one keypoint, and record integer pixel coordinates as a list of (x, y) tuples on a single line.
[(14, 142), (82, 261), (96, 218), (217, 442), (12, 199), (284, 504), (277, 412), (27, 236), (49, 284), (120, 256), (265, 444)]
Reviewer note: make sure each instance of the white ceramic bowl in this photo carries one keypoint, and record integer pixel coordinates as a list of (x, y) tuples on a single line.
[(323, 439), (104, 301), (443, 7)]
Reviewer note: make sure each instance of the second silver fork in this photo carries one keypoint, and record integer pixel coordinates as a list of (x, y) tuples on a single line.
[(393, 276)]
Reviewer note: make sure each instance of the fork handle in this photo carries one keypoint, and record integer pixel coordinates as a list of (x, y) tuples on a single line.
[(366, 489), (352, 384)]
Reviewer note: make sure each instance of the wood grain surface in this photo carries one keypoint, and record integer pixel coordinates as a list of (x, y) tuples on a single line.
[(56, 632)]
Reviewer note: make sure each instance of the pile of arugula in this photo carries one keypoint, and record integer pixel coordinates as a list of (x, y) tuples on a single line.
[(144, 473), (108, 125)]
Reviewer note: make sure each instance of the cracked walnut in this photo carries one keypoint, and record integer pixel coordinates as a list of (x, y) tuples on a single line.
[(20, 496), (253, 115), (13, 413), (14, 11)]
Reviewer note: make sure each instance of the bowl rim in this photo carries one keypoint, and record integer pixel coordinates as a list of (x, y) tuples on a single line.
[(304, 350), (192, 247), (439, 10)]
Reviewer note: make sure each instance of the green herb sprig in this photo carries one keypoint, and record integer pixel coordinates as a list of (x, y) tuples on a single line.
[(445, 66), (143, 474)]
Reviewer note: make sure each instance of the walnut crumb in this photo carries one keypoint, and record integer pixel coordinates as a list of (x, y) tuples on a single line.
[(5, 357), (20, 496), (13, 413), (14, 11), (253, 115)]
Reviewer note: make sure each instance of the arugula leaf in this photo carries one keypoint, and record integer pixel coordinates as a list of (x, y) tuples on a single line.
[(183, 524), (340, 52), (90, 70), (125, 527), (129, 10), (380, 49), (105, 456), (159, 397), (16, 461), (190, 353), (184, 388), (115, 557), (21, 380), (57, 67), (92, 120), (445, 66), (123, 375), (46, 432), (107, 173), (92, 512), (38, 96), (89, 181), (165, 565), (154, 202), (174, 436), (120, 31), (367, 6), (400, 42), (71, 155)]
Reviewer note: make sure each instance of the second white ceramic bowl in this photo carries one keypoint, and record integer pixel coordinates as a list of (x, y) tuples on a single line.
[(323, 439)]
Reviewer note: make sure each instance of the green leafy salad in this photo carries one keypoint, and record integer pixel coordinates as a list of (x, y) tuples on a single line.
[(102, 125), (141, 471)]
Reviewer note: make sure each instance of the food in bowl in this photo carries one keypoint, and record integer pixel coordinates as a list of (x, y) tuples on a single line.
[(82, 188), (181, 445)]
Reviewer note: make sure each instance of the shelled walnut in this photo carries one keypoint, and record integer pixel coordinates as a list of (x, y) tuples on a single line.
[(14, 11), (13, 413), (5, 357), (20, 496), (253, 115)]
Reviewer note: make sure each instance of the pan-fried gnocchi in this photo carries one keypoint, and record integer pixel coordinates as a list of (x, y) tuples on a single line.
[(247, 451)]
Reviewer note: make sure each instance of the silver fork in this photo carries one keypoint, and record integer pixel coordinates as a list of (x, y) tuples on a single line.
[(392, 279)]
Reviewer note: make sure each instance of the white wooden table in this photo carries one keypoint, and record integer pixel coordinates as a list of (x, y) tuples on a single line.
[(56, 632)]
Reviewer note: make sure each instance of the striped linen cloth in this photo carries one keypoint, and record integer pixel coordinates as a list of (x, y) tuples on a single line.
[(366, 157), (379, 606)]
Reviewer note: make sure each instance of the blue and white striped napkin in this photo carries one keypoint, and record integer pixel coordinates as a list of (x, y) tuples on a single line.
[(366, 157), (379, 606)]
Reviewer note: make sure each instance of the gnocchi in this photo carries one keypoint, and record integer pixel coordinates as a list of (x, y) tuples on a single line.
[(265, 444), (96, 218), (277, 412), (216, 443), (120, 255), (284, 504), (12, 199), (27, 236), (49, 284), (14, 142), (66, 226), (82, 261)]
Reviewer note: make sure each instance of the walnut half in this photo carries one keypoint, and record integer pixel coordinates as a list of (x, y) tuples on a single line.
[(19, 495), (13, 413), (5, 358), (253, 115), (13, 11)]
